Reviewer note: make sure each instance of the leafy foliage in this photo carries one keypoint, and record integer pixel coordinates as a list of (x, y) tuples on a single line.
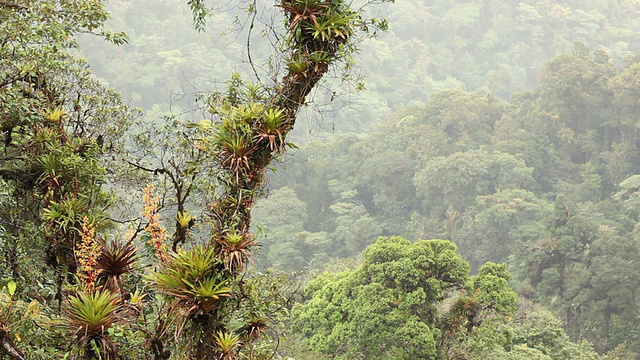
[(117, 259), (90, 316), (465, 166), (193, 277), (62, 131), (545, 182), (422, 294)]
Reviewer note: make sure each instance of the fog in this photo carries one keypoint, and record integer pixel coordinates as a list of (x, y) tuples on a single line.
[(464, 184)]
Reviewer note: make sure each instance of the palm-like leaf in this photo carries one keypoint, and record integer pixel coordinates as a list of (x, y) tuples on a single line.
[(227, 344), (209, 292), (272, 127), (195, 278), (235, 249), (235, 147), (116, 258), (255, 327), (92, 313), (66, 214), (250, 112)]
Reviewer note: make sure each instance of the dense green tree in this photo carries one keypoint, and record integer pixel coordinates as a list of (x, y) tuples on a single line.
[(380, 172), (415, 300), (583, 272), (58, 124), (498, 224), (535, 334), (449, 184), (575, 89), (345, 310), (61, 130)]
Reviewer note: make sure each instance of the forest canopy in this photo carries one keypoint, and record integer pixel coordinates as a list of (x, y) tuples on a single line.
[(544, 182), (463, 184)]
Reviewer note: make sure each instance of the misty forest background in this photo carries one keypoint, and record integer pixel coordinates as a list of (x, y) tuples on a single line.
[(509, 128)]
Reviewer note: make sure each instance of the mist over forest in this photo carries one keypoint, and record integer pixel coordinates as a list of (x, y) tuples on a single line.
[(462, 180)]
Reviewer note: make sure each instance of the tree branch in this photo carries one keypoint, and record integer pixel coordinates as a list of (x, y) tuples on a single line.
[(9, 347), (140, 167), (12, 5)]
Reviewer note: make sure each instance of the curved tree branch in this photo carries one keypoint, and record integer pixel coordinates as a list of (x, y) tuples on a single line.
[(9, 347)]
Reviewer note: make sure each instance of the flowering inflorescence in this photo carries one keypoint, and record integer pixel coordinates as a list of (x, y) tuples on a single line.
[(87, 253), (157, 232)]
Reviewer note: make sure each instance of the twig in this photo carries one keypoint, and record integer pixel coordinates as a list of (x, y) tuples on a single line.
[(12, 5), (253, 18), (154, 171)]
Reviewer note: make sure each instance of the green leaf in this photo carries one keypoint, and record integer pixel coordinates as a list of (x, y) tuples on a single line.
[(11, 286)]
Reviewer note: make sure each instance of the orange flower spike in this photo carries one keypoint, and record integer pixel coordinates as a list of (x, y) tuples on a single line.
[(157, 232), (87, 253)]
